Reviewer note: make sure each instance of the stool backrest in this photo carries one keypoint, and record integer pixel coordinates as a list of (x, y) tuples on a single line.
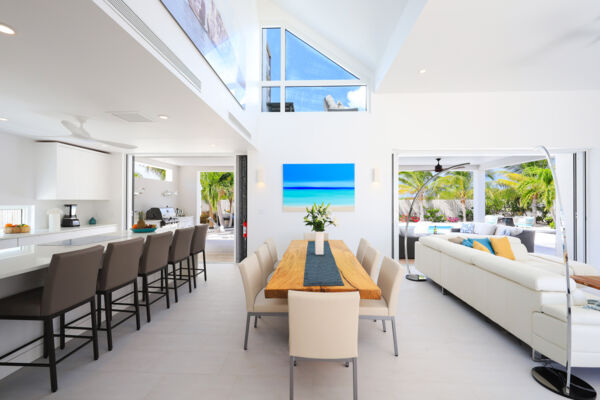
[(182, 242), (71, 279), (156, 252), (199, 238), (121, 263)]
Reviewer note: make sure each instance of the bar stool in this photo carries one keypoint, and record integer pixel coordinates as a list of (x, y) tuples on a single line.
[(70, 283), (119, 269), (154, 259), (179, 251), (197, 247)]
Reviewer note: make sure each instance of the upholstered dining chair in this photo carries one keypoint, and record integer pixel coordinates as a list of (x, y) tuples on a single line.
[(273, 250), (119, 268), (371, 261), (155, 258), (70, 283), (384, 309), (362, 247), (265, 261), (180, 251), (313, 235), (323, 326), (198, 246), (256, 302)]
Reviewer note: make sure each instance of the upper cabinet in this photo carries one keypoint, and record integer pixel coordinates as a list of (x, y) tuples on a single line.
[(71, 173)]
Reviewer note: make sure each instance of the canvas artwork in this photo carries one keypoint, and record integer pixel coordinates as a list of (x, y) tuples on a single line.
[(306, 184), (202, 23)]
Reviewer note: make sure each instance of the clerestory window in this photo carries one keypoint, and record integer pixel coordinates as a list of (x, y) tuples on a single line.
[(296, 77)]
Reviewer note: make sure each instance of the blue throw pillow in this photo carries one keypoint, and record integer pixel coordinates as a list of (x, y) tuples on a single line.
[(485, 241), (467, 228)]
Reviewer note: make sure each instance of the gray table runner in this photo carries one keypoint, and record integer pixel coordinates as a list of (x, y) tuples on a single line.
[(321, 270)]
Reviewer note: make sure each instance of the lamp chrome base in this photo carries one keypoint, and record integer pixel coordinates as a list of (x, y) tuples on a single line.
[(555, 380), (416, 277)]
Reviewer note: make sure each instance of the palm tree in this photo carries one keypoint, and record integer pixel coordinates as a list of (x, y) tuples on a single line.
[(409, 183), (537, 186), (210, 182), (457, 185)]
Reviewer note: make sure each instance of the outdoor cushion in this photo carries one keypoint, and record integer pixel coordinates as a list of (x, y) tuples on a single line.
[(482, 228), (502, 247), (467, 228)]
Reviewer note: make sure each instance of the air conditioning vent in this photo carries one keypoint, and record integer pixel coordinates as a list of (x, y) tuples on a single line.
[(130, 116), (158, 45)]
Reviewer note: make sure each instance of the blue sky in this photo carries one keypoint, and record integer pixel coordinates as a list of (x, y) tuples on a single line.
[(318, 175)]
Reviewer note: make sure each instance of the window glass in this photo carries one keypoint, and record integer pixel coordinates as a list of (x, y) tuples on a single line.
[(325, 98), (271, 97), (147, 171), (302, 62), (271, 63)]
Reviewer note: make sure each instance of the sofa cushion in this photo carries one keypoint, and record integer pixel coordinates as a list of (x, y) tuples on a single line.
[(467, 228), (580, 315), (502, 247), (503, 230), (481, 228)]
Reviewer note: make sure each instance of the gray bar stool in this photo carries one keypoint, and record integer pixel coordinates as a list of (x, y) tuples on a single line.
[(70, 283), (154, 259), (198, 246), (179, 251)]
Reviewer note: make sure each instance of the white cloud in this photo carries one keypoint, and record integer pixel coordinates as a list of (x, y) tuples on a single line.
[(357, 98)]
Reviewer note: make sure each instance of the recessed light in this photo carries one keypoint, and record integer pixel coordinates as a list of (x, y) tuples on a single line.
[(7, 30), (422, 71), (163, 116), (3, 119)]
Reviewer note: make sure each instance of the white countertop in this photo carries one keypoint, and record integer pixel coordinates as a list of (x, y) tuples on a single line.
[(23, 259), (37, 232)]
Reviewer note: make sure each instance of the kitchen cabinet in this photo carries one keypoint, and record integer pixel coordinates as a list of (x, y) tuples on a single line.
[(72, 173)]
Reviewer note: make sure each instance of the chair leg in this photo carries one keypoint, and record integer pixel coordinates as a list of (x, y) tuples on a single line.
[(292, 362), (162, 277), (255, 321), (62, 331), (94, 328), (355, 378), (247, 329), (383, 323), (194, 273), (204, 262), (49, 339), (180, 270), (98, 308), (394, 335), (189, 272), (146, 296), (107, 307), (166, 271), (175, 283), (136, 304)]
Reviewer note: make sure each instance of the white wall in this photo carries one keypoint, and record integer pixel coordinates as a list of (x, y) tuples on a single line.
[(152, 195)]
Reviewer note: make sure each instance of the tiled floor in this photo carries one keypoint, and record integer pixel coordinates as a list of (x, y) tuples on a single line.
[(194, 351)]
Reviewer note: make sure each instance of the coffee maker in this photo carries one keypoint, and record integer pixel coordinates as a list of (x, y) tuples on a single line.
[(70, 218)]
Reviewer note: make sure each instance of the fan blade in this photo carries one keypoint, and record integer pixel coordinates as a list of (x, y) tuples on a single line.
[(75, 130), (115, 144)]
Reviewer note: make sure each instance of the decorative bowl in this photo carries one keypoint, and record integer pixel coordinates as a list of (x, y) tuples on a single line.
[(143, 230)]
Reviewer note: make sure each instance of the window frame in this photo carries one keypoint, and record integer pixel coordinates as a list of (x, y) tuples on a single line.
[(27, 213), (283, 83)]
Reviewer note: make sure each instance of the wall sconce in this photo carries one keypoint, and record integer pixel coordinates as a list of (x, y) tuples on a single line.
[(260, 176), (376, 175), (168, 193)]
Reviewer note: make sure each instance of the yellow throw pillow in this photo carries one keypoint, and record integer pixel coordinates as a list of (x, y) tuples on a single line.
[(502, 247), (479, 246)]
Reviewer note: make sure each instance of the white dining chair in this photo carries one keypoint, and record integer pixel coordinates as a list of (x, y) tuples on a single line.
[(384, 309), (323, 326), (313, 235), (371, 261), (273, 250), (362, 247), (265, 261), (256, 302)]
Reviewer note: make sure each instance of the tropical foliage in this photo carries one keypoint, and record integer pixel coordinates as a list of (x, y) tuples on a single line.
[(216, 186), (409, 183), (318, 217)]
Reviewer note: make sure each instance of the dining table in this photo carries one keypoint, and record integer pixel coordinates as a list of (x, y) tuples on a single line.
[(290, 273)]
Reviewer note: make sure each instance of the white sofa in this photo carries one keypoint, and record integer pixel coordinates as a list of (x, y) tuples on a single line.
[(525, 296)]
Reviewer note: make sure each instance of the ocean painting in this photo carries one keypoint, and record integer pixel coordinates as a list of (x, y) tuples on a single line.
[(306, 184)]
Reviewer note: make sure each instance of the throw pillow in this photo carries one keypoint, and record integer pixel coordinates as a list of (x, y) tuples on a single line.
[(482, 228), (479, 246), (484, 241), (467, 228), (503, 230), (502, 247), (457, 240)]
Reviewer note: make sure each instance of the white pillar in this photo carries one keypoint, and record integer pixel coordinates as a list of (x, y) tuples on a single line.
[(479, 195)]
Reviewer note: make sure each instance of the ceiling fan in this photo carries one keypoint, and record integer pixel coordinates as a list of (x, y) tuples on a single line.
[(79, 132), (438, 167)]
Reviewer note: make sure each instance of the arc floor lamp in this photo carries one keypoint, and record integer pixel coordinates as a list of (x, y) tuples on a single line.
[(556, 380), (438, 169)]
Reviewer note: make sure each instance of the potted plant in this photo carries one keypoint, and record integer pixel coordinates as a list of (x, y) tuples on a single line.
[(318, 218)]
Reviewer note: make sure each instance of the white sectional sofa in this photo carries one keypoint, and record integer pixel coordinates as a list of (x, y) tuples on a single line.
[(525, 296)]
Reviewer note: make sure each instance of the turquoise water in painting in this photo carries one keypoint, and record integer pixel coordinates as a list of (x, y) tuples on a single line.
[(306, 197)]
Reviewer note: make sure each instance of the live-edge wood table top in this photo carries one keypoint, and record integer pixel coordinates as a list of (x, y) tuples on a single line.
[(289, 275), (592, 281)]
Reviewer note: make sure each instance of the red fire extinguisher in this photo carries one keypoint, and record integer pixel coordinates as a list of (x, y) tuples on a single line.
[(245, 229)]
